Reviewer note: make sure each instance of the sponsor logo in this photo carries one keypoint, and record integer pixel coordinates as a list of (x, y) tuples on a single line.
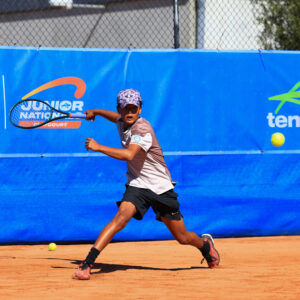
[(174, 213), (136, 138), (39, 112), (282, 121)]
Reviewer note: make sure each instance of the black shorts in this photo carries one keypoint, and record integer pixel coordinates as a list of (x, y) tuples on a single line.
[(164, 205)]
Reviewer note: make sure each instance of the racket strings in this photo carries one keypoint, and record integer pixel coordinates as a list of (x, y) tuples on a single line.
[(31, 111)]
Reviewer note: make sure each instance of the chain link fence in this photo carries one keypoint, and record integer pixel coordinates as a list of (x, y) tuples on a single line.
[(202, 24)]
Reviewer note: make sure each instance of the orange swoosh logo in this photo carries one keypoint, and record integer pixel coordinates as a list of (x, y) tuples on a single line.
[(79, 83)]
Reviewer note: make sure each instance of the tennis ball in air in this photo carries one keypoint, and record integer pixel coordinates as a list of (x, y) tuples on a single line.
[(277, 139), (52, 247)]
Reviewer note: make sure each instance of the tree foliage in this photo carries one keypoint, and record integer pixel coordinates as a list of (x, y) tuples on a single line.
[(280, 21)]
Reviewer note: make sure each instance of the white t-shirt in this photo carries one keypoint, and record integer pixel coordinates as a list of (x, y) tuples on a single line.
[(148, 169)]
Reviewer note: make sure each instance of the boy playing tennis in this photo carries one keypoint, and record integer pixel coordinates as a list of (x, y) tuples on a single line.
[(149, 182)]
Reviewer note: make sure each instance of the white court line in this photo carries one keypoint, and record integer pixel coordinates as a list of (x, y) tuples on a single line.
[(4, 100), (174, 153)]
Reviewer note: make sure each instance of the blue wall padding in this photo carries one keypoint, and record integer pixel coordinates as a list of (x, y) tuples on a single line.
[(210, 112), (71, 199)]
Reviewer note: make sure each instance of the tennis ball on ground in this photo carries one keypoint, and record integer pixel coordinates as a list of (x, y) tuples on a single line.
[(277, 139), (52, 247)]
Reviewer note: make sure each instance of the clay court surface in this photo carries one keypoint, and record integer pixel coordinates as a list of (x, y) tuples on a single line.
[(251, 268)]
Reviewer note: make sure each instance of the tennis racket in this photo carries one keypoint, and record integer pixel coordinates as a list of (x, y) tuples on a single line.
[(33, 113)]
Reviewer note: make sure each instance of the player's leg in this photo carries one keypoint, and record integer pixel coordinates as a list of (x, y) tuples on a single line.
[(126, 211), (204, 244), (166, 207), (180, 233)]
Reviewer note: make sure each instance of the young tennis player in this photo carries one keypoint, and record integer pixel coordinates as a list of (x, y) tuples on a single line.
[(149, 182)]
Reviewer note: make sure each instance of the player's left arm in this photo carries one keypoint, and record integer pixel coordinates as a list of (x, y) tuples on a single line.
[(127, 154)]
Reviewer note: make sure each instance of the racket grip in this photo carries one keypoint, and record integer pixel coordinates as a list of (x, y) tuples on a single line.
[(77, 115)]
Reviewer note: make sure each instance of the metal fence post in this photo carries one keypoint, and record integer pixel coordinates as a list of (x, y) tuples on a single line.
[(176, 24)]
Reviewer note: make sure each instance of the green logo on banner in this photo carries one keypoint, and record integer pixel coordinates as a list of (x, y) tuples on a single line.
[(290, 96)]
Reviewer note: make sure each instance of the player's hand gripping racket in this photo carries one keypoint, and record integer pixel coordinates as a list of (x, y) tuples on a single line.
[(32, 113)]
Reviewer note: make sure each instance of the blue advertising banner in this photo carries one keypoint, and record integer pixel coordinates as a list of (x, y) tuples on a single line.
[(209, 101), (214, 113)]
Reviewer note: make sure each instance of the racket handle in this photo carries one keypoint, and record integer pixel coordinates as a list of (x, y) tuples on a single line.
[(77, 115)]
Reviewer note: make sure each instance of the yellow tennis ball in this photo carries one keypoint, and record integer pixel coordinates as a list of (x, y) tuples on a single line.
[(277, 139), (52, 247)]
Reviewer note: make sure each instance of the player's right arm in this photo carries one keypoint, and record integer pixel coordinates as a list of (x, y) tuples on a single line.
[(107, 114)]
